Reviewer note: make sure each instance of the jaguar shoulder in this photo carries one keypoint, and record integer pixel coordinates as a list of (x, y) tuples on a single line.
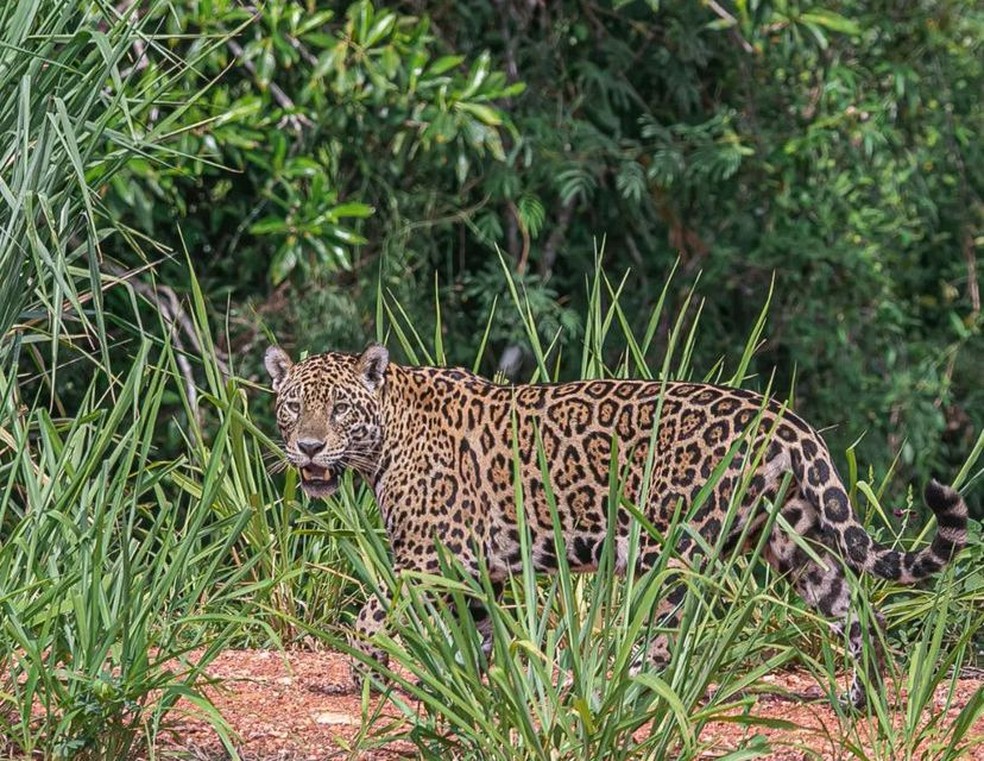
[(436, 446)]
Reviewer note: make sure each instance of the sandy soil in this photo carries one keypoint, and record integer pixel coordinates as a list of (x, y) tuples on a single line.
[(274, 705)]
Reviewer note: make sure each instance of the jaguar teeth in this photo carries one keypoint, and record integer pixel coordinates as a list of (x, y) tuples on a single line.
[(312, 472)]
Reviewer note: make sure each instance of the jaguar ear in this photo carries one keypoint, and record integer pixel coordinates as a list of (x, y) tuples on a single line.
[(278, 364), (371, 366)]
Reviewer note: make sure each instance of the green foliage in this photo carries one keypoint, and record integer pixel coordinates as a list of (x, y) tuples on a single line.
[(338, 148), (322, 110)]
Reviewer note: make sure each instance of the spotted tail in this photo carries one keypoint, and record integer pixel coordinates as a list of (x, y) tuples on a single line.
[(863, 554)]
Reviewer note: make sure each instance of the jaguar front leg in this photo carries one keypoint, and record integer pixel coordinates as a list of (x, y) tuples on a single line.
[(483, 620), (370, 621), (667, 619)]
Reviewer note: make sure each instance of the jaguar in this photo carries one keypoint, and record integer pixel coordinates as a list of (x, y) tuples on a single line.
[(438, 447)]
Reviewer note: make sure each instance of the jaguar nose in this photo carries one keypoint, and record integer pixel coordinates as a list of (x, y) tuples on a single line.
[(310, 447)]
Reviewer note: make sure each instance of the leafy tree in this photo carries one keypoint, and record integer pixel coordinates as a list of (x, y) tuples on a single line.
[(320, 132)]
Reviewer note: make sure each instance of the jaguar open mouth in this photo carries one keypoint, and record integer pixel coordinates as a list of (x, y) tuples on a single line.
[(318, 481)]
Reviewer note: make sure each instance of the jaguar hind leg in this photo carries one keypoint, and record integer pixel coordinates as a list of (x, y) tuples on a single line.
[(667, 616), (825, 588), (668, 611), (821, 581)]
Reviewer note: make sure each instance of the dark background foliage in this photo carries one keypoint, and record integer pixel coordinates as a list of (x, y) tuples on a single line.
[(341, 151)]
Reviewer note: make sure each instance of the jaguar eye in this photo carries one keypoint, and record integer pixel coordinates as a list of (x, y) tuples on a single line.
[(294, 408), (341, 408)]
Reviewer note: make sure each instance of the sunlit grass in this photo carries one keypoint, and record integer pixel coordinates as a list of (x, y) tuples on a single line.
[(110, 570)]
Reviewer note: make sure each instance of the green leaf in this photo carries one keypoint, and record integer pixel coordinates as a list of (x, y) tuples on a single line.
[(486, 114), (443, 64), (531, 213), (348, 236), (302, 166), (353, 209), (382, 27), (319, 18), (479, 72), (269, 225), (283, 264), (830, 20)]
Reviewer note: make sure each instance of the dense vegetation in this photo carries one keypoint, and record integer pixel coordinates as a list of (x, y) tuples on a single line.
[(183, 181), (837, 149)]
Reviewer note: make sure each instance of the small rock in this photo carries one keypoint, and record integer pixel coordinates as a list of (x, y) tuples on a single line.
[(330, 717)]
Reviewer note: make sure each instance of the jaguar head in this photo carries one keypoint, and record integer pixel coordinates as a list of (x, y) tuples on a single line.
[(328, 412)]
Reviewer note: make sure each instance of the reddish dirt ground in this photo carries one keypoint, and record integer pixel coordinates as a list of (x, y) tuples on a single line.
[(273, 704)]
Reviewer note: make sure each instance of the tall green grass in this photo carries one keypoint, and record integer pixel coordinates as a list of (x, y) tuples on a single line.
[(558, 683), (112, 570), (68, 124), (107, 573)]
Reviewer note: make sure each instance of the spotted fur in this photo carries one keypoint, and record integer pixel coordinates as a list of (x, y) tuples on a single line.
[(436, 446)]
